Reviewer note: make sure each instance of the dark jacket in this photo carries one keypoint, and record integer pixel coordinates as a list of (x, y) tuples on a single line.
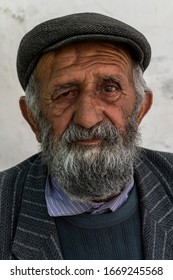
[(28, 232)]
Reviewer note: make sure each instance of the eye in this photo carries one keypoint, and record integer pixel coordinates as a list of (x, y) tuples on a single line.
[(70, 93), (65, 93), (110, 88), (60, 96)]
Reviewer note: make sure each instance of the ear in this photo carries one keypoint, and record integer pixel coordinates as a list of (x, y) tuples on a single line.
[(28, 116), (145, 107)]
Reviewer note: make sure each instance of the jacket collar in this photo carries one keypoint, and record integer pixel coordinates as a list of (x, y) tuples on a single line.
[(36, 235)]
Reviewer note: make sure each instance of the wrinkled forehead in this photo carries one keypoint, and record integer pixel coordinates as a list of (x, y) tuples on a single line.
[(83, 53)]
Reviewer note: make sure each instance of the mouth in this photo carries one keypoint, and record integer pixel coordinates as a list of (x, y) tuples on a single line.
[(91, 142)]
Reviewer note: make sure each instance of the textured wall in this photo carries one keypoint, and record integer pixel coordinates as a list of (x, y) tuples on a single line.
[(152, 17)]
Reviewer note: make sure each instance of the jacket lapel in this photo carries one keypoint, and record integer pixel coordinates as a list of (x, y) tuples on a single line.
[(36, 235), (156, 210)]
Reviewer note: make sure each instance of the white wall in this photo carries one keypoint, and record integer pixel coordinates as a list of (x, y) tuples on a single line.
[(154, 18)]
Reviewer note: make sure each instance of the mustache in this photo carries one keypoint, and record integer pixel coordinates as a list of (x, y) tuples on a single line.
[(104, 130)]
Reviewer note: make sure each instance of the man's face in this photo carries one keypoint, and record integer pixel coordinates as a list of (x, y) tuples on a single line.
[(88, 120), (85, 84)]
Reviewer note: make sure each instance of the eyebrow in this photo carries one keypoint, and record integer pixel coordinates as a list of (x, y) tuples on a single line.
[(63, 85), (66, 85), (109, 78)]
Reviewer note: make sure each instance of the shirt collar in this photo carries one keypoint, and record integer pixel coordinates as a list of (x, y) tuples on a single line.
[(60, 204)]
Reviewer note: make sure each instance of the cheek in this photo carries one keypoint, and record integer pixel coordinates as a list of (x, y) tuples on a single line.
[(116, 116), (120, 113), (61, 121), (58, 118)]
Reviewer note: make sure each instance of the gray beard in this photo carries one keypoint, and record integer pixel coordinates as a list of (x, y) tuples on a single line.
[(86, 172)]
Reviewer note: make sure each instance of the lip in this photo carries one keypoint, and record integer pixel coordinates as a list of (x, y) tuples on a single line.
[(90, 142)]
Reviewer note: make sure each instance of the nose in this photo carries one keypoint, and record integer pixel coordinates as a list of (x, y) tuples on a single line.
[(88, 112)]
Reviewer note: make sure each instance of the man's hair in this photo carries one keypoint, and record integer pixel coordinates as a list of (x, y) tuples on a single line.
[(32, 91)]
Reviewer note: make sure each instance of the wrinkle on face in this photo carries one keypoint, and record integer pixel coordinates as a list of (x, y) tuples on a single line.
[(87, 56), (82, 56)]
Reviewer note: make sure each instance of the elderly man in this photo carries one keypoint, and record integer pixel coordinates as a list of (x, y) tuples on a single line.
[(91, 193)]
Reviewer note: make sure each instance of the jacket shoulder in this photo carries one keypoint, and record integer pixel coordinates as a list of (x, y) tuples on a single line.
[(12, 182), (158, 157), (160, 164), (12, 171)]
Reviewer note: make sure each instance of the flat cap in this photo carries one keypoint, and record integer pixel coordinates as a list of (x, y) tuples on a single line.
[(58, 32)]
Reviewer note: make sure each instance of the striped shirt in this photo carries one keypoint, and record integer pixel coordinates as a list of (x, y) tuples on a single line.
[(60, 204)]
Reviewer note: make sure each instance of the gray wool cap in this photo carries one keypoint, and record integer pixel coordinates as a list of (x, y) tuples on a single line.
[(58, 32)]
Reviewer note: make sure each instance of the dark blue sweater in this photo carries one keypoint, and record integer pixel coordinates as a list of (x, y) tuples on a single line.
[(107, 236)]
